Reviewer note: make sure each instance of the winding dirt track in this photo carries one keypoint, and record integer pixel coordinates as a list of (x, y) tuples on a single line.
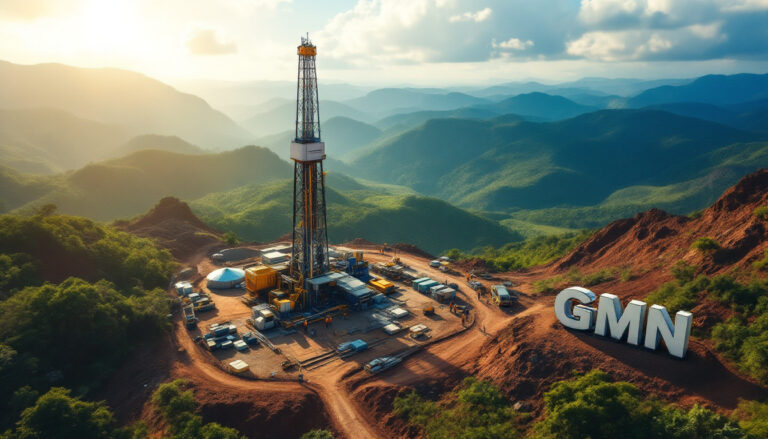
[(327, 382), (438, 361)]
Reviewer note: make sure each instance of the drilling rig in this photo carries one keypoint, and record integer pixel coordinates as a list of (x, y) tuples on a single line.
[(310, 233)]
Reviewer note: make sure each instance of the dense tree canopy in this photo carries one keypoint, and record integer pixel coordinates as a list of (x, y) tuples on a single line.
[(476, 409), (592, 406), (54, 247)]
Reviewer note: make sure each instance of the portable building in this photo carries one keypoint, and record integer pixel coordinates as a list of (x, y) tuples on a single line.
[(238, 366), (425, 286), (272, 258), (416, 282), (183, 288), (284, 248), (444, 294), (397, 312), (260, 278), (434, 288)]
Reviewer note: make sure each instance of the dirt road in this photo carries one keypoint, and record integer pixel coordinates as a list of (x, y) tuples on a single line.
[(336, 382)]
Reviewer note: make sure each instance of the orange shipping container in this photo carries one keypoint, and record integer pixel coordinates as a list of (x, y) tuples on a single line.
[(260, 278)]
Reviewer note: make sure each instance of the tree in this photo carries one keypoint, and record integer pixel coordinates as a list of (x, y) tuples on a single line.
[(176, 402), (317, 434), (705, 245), (753, 419), (476, 409), (595, 407), (762, 212), (47, 210), (58, 415), (231, 238)]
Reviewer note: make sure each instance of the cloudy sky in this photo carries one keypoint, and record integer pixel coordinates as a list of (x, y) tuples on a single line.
[(393, 41)]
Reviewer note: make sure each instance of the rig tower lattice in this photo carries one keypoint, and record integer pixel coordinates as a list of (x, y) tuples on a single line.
[(310, 234)]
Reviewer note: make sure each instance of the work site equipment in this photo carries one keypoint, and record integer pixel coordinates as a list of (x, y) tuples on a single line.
[(189, 315), (333, 311), (501, 296), (238, 366), (381, 364), (260, 277), (382, 285), (263, 318)]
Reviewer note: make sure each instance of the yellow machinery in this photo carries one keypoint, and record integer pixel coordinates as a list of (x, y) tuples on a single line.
[(260, 278), (394, 261), (285, 302), (382, 285)]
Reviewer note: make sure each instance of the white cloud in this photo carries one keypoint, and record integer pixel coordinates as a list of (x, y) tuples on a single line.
[(477, 17), (706, 31), (208, 42), (744, 5), (605, 46), (406, 31), (513, 44), (596, 11)]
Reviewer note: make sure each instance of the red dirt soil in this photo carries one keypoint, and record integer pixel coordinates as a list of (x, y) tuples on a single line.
[(655, 239), (530, 350), (173, 226), (524, 350)]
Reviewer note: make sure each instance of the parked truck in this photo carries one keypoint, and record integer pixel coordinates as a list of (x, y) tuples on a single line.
[(189, 315), (501, 296)]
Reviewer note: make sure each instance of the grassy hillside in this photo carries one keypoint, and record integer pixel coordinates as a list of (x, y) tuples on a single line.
[(719, 169), (406, 121), (341, 135), (131, 185), (503, 165), (283, 117), (154, 141), (46, 141), (17, 188), (119, 97), (355, 210), (388, 101), (539, 106)]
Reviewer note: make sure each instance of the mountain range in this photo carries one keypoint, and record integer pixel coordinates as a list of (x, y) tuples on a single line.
[(511, 160), (139, 104)]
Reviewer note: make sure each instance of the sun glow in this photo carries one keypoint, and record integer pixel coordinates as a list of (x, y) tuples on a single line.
[(107, 25)]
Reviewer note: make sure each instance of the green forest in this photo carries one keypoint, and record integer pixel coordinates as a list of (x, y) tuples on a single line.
[(76, 298), (591, 405)]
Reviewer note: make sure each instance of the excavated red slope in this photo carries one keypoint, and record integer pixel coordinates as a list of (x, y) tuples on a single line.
[(534, 351), (172, 225), (655, 239)]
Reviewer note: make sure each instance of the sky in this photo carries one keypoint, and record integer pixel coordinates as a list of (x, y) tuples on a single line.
[(419, 42)]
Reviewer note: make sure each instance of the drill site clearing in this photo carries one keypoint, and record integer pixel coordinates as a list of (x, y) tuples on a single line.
[(304, 304), (374, 314), (278, 310)]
